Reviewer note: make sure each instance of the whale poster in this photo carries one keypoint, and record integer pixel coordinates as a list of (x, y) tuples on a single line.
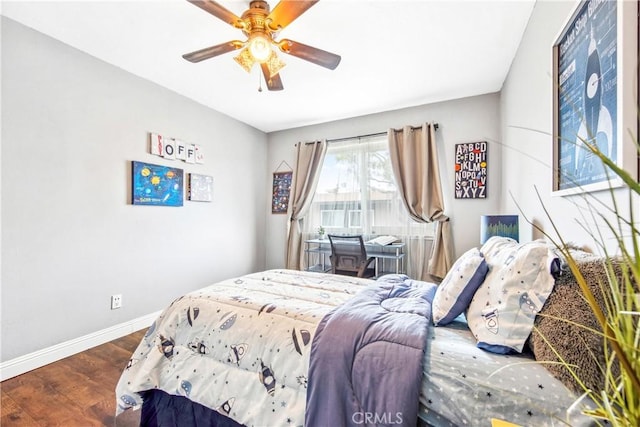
[(585, 90)]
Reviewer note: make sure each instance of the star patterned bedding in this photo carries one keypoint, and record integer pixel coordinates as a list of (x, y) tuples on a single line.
[(464, 385), (241, 347)]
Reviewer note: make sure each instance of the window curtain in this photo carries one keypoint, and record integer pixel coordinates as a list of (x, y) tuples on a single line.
[(309, 158), (357, 194), (414, 160)]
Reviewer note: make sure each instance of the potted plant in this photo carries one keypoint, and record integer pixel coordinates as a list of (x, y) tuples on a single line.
[(618, 403)]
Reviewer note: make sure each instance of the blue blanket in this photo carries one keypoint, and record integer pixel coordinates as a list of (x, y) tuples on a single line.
[(366, 357)]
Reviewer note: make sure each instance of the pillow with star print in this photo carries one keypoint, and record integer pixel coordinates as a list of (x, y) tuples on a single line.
[(458, 287), (521, 277)]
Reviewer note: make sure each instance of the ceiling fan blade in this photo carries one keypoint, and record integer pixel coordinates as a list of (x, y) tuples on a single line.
[(287, 11), (210, 52), (274, 82), (219, 11), (309, 53)]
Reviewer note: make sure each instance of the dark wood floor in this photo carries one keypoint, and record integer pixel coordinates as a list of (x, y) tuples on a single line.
[(76, 391)]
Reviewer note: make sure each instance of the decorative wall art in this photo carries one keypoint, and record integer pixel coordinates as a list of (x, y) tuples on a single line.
[(156, 185), (200, 188), (471, 170), (586, 96), (172, 149), (499, 225), (281, 190)]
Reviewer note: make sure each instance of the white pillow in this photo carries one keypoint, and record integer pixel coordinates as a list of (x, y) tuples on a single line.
[(456, 290), (520, 278), (494, 245)]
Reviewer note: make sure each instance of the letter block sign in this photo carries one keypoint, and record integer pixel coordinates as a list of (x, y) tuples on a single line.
[(172, 149), (471, 170)]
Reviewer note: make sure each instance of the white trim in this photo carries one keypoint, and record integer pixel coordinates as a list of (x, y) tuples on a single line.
[(37, 359)]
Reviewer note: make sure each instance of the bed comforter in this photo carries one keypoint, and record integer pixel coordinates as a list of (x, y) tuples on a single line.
[(366, 357), (240, 347)]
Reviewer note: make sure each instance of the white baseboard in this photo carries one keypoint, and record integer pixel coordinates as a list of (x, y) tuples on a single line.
[(37, 359)]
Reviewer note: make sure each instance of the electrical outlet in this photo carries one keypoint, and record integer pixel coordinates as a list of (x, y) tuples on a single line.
[(116, 301)]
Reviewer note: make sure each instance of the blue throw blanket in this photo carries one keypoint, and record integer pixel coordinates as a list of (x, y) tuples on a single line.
[(366, 357)]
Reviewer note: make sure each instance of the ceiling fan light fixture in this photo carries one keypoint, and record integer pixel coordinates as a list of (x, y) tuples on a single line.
[(260, 48), (245, 59), (274, 64), (261, 26)]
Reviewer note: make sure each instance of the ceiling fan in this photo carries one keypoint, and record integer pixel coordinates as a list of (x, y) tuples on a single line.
[(261, 26)]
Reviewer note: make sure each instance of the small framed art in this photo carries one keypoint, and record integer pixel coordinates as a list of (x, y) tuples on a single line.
[(281, 190), (200, 188)]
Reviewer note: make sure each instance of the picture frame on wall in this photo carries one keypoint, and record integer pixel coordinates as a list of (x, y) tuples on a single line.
[(200, 188), (156, 185), (280, 193), (591, 65), (471, 168)]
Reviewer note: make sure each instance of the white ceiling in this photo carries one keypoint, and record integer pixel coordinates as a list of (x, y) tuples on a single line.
[(395, 54)]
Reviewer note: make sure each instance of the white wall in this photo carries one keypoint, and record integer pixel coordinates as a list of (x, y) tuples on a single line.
[(71, 124), (463, 120), (526, 117)]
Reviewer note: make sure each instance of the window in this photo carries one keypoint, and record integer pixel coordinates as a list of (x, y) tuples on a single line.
[(332, 218), (357, 178), (356, 221)]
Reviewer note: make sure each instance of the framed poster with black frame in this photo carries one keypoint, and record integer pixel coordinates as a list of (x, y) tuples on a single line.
[(471, 170), (594, 60)]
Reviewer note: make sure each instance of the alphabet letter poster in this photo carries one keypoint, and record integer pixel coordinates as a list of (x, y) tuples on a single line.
[(471, 170)]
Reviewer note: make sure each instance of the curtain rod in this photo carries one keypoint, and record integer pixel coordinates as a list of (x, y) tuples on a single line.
[(435, 126)]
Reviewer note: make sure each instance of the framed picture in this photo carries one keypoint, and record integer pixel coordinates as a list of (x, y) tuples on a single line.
[(471, 170), (590, 70), (281, 190), (499, 225), (200, 188), (156, 185)]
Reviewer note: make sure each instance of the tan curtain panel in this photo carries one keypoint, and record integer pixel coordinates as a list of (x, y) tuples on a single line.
[(309, 158), (414, 159)]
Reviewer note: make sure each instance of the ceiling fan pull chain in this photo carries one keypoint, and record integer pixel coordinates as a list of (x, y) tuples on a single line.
[(259, 83)]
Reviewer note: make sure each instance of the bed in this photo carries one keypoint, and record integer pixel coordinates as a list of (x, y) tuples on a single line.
[(239, 352)]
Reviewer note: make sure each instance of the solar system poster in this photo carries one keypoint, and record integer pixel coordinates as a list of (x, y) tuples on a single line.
[(586, 94), (156, 185)]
